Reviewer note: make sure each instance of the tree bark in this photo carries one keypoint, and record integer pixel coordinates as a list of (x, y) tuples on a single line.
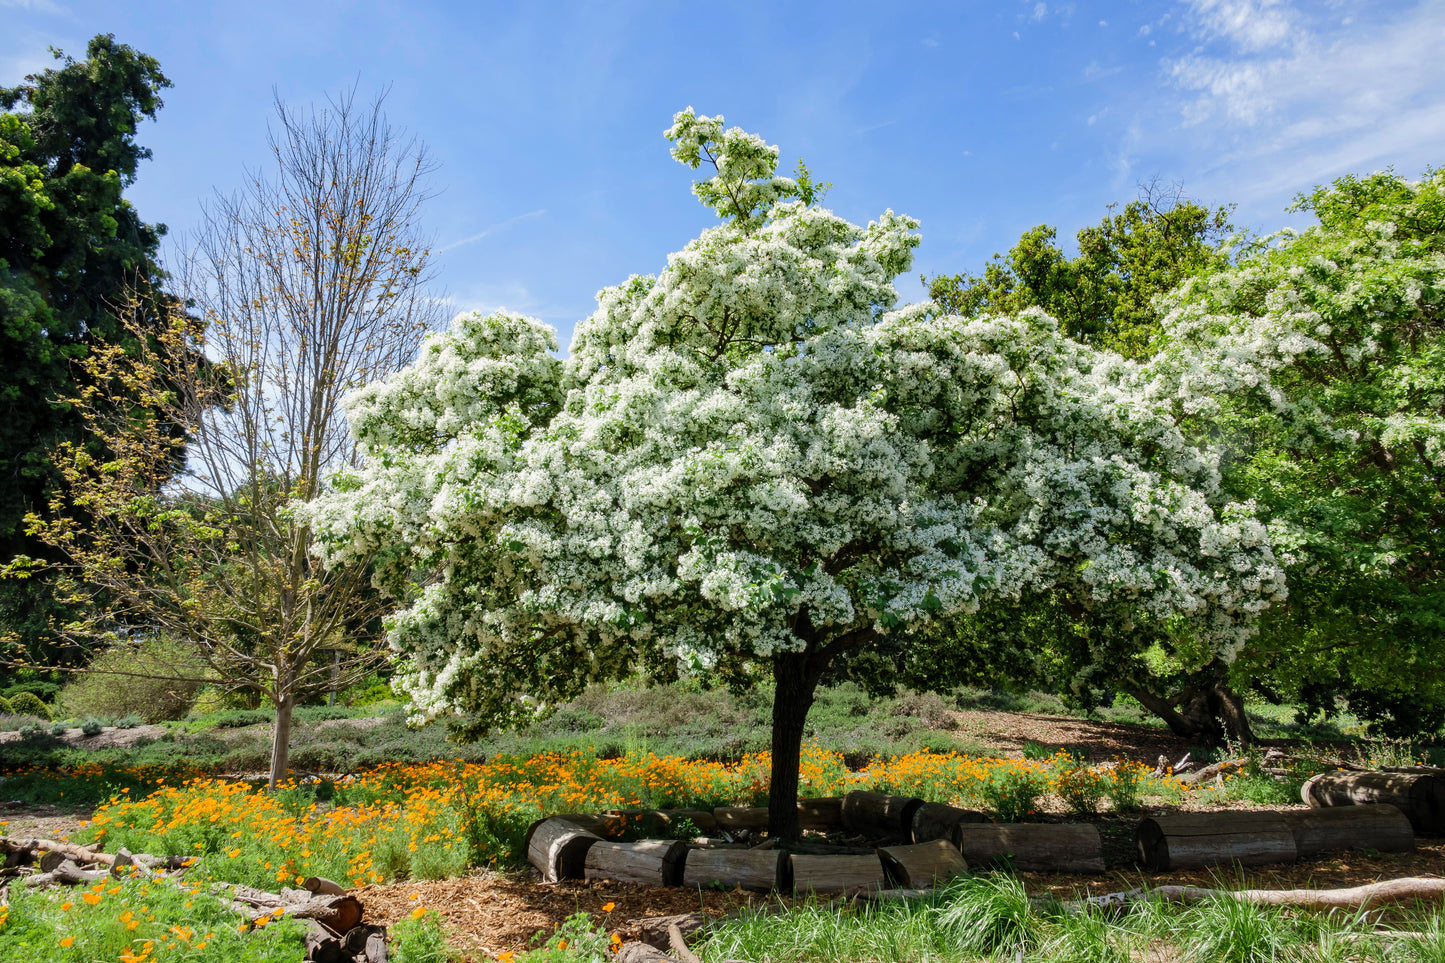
[(281, 739), (1210, 713), (795, 683)]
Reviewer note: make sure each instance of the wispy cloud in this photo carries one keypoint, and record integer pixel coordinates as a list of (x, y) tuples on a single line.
[(493, 229), (1279, 96)]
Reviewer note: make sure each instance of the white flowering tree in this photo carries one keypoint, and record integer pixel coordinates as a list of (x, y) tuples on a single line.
[(1320, 358), (751, 460)]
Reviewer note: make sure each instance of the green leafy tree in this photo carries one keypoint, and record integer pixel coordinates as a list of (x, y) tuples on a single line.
[(1318, 361), (1103, 296), (71, 249)]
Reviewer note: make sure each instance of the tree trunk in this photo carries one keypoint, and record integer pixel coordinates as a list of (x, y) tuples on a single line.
[(281, 740), (1210, 712), (796, 682)]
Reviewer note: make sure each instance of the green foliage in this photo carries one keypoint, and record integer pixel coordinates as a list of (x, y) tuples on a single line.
[(419, 939), (29, 704), (5, 707), (180, 922), (578, 940), (156, 682), (1322, 352), (1012, 793), (1125, 786), (71, 249), (1105, 295), (91, 727)]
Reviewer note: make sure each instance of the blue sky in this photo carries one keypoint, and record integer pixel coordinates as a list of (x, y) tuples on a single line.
[(980, 119)]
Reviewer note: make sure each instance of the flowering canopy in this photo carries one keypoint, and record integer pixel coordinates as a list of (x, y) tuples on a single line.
[(1318, 356), (751, 456)]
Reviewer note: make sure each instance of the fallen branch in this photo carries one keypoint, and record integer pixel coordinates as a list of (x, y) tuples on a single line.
[(1354, 897)]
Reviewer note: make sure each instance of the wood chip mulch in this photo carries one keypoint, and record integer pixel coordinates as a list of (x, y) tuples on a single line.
[(487, 913)]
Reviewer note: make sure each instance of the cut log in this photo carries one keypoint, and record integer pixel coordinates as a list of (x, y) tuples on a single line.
[(375, 950), (876, 814), (837, 874), (652, 862), (600, 825), (642, 953), (820, 813), (337, 913), (66, 871), (922, 865), (1378, 827), (323, 947), (1196, 840), (323, 886), (1419, 795), (1031, 847), (936, 821), (760, 870), (657, 930), (734, 819), (558, 848), (83, 855)]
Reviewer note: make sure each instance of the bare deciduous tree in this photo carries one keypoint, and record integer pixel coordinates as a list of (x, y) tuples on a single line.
[(306, 284)]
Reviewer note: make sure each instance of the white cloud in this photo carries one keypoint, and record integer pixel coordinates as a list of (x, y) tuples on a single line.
[(493, 229), (1270, 98), (1041, 10), (1249, 24)]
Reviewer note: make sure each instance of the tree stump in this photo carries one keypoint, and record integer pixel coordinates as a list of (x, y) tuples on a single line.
[(1419, 795), (761, 870), (1031, 847), (877, 814), (820, 813), (922, 865), (652, 862), (936, 821), (1379, 827), (837, 874), (1196, 840), (737, 818), (558, 847)]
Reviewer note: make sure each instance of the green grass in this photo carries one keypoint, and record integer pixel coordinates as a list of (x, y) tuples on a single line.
[(177, 920), (990, 918)]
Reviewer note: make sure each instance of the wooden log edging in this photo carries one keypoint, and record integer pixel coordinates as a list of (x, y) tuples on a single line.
[(759, 870), (922, 865), (878, 814), (1032, 847), (847, 875), (1196, 840), (937, 820), (1379, 827), (558, 848), (651, 862), (1419, 795)]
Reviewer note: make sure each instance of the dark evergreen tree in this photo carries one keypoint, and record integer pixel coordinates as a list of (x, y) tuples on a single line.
[(72, 250)]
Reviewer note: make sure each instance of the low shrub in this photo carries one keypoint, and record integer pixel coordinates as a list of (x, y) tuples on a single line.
[(156, 681), (29, 704), (6, 708)]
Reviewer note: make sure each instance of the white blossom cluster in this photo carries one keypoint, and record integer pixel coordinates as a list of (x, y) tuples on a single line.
[(753, 436)]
